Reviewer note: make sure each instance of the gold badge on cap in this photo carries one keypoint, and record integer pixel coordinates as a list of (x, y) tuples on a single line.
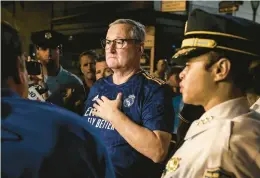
[(48, 35), (173, 164), (183, 52)]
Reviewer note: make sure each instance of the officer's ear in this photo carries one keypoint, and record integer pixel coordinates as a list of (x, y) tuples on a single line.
[(221, 69)]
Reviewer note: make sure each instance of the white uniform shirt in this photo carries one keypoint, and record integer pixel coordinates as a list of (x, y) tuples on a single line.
[(63, 77), (224, 141), (256, 106)]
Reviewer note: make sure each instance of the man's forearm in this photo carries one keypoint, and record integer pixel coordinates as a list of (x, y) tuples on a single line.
[(152, 144)]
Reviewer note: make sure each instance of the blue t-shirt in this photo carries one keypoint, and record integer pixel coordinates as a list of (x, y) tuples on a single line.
[(146, 102), (64, 77), (177, 105), (41, 140)]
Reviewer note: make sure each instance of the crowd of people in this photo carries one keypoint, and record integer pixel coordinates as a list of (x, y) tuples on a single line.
[(194, 120)]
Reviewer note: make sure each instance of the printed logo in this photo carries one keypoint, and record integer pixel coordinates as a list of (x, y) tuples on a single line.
[(129, 101), (95, 98)]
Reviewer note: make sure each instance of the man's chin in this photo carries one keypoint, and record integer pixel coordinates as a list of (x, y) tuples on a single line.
[(90, 76), (46, 60)]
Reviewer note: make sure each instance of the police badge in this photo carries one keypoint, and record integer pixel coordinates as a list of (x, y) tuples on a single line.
[(172, 165), (48, 35)]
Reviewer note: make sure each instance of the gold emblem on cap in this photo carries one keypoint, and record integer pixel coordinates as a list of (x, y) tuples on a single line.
[(48, 35), (184, 51), (173, 164)]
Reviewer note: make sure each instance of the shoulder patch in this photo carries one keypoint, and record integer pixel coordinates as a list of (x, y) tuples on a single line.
[(151, 77), (217, 173)]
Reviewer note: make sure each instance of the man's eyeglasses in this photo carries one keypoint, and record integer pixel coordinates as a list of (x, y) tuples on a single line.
[(119, 43)]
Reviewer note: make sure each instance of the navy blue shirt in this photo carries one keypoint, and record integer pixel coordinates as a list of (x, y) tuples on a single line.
[(147, 103), (41, 140)]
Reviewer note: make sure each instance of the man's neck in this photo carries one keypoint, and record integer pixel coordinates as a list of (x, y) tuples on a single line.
[(120, 77), (51, 70), (88, 82), (223, 95)]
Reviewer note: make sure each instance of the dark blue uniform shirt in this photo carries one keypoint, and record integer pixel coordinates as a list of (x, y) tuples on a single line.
[(40, 140), (147, 103)]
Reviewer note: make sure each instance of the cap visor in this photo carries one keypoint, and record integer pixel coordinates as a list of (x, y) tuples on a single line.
[(185, 54)]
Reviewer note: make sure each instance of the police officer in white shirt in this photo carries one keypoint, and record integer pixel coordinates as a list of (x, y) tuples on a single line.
[(253, 95), (225, 140)]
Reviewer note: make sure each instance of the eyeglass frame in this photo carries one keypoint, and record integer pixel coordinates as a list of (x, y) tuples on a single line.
[(124, 40)]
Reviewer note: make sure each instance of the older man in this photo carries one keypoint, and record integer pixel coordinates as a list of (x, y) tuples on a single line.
[(39, 139), (130, 109), (224, 142)]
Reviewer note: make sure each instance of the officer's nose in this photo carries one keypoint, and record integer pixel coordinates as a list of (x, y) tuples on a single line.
[(182, 74)]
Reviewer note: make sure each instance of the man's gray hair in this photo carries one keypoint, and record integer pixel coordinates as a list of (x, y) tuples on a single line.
[(137, 31)]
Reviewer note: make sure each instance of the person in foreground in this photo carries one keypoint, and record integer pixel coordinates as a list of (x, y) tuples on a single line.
[(224, 141), (130, 109), (40, 140)]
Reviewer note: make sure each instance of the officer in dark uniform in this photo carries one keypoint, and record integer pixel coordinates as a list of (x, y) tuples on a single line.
[(60, 83), (40, 140), (217, 52)]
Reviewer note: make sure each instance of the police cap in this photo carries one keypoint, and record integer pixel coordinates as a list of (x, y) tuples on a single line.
[(47, 38), (204, 32)]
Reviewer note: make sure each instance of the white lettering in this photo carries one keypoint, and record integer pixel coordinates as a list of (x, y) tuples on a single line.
[(106, 124), (101, 124), (93, 120), (89, 112), (98, 122)]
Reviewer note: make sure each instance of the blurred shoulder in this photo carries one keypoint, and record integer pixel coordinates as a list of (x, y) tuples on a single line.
[(246, 129), (71, 76)]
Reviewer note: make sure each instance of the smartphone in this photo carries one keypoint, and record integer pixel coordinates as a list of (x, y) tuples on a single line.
[(33, 67)]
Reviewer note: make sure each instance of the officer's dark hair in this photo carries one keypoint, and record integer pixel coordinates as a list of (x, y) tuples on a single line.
[(101, 58), (239, 71), (10, 51), (91, 53)]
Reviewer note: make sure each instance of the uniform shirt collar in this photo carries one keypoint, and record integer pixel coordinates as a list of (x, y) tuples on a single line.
[(230, 108), (227, 110)]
